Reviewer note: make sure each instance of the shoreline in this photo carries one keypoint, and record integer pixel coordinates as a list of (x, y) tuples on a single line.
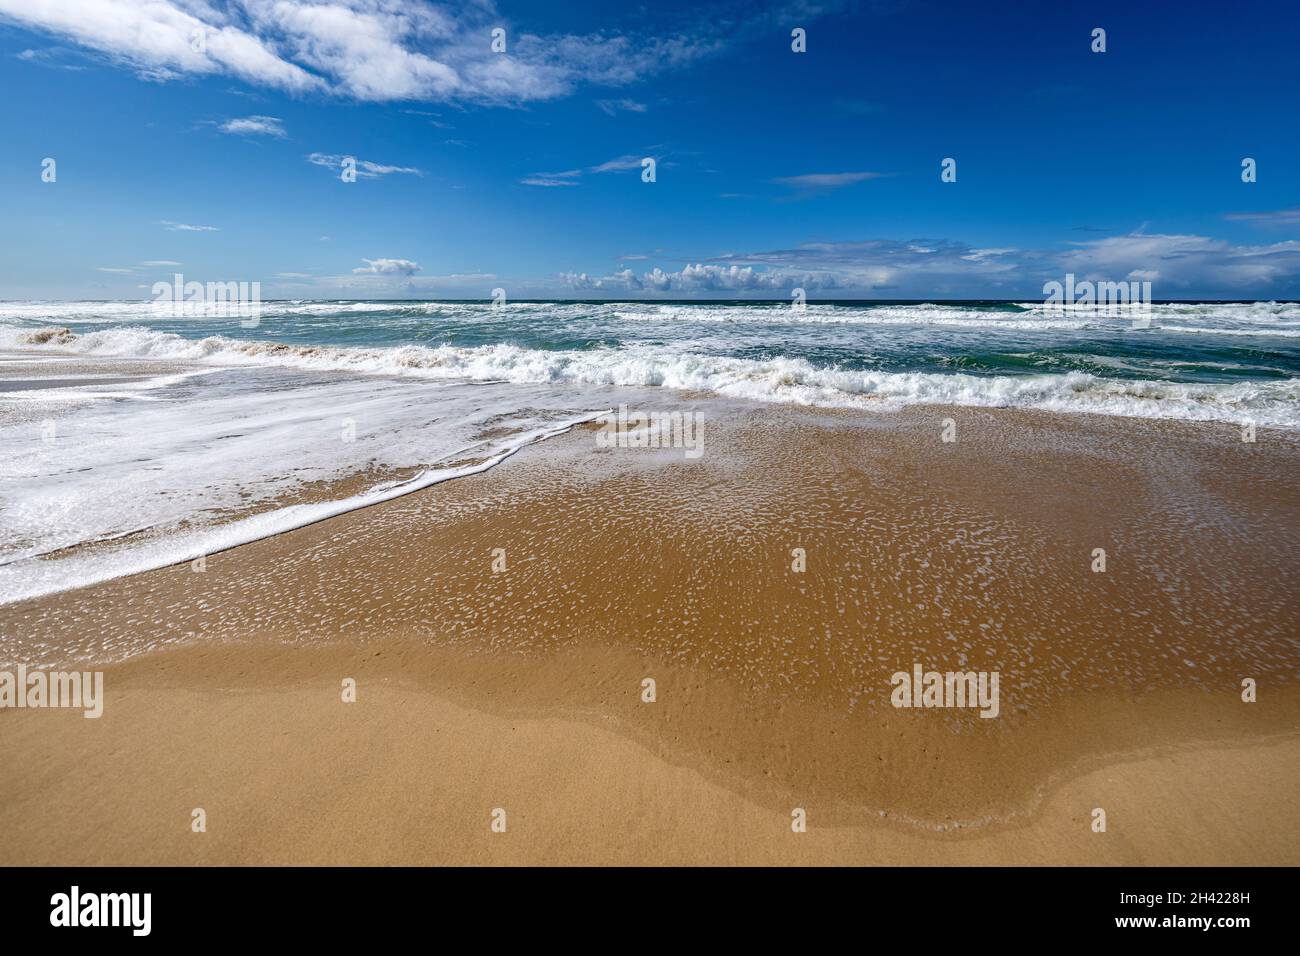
[(772, 686)]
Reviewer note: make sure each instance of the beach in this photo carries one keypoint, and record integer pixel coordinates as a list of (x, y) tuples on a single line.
[(500, 629), (441, 436)]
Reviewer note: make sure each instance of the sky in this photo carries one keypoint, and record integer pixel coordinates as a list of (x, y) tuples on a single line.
[(208, 138)]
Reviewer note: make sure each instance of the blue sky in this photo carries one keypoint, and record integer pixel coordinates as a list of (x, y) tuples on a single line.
[(522, 170)]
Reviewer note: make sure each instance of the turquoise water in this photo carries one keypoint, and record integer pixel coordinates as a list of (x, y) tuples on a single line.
[(1210, 343), (1243, 358)]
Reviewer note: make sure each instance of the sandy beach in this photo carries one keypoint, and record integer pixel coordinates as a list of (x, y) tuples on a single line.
[(726, 434), (500, 629)]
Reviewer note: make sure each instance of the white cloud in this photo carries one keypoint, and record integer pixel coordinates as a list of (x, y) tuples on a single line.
[(702, 277), (157, 38), (367, 47), (1275, 217), (387, 267), (570, 177), (618, 165), (48, 58), (254, 126), (363, 49), (613, 60), (1185, 262), (981, 255), (365, 168), (1178, 267), (541, 179), (879, 264), (147, 264), (186, 227)]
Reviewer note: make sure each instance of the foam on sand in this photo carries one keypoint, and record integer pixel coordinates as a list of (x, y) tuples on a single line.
[(107, 480)]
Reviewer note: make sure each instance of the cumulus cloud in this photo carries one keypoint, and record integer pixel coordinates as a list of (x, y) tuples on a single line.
[(882, 264), (1183, 262), (162, 40), (387, 267), (696, 278), (1179, 266), (363, 49), (254, 126)]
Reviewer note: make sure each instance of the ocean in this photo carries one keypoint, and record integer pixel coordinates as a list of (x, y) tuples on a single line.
[(169, 439)]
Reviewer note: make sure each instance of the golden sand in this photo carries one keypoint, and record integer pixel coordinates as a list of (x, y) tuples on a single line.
[(522, 688)]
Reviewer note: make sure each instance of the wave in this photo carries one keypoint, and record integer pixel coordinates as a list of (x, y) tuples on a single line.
[(1243, 318), (778, 379), (1253, 332)]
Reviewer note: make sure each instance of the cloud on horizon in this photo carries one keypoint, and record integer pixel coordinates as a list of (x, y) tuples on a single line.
[(1176, 265), (132, 270), (1275, 217), (387, 267)]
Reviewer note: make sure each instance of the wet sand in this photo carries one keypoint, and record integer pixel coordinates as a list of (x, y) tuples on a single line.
[(63, 381), (521, 688)]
